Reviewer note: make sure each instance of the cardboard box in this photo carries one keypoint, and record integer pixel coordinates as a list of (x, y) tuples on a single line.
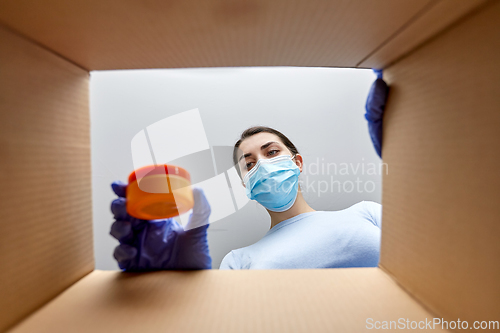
[(440, 250)]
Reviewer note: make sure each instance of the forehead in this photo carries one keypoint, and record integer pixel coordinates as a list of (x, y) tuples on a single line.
[(253, 143)]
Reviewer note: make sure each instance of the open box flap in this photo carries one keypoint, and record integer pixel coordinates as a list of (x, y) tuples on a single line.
[(114, 34), (46, 204), (302, 300), (441, 207)]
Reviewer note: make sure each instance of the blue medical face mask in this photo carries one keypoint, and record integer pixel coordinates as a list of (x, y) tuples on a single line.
[(273, 183)]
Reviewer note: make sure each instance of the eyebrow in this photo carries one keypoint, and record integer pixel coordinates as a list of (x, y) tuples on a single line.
[(264, 146)]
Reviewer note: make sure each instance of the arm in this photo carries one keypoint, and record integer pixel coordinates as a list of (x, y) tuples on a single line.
[(374, 209)]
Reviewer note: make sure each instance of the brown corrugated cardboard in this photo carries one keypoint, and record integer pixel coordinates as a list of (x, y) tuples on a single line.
[(116, 34), (436, 16), (441, 203), (320, 300), (46, 223), (440, 199)]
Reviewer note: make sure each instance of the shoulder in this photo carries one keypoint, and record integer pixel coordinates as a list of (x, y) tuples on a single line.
[(236, 259), (228, 262), (375, 210), (373, 207), (241, 258), (370, 210), (365, 206)]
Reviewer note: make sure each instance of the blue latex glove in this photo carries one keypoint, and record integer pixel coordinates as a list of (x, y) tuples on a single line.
[(375, 105), (160, 244)]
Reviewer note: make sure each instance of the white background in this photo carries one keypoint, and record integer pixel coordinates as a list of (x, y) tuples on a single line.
[(321, 110)]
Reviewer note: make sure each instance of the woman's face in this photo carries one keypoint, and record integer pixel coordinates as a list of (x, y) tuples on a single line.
[(261, 145)]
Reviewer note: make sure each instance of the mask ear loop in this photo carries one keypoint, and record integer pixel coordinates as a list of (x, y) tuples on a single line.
[(294, 157)]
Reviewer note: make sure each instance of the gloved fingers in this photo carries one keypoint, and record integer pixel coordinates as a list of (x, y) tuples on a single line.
[(119, 209), (197, 227), (380, 92), (119, 187), (378, 72), (201, 210), (122, 231), (124, 255), (137, 224), (375, 107), (193, 249), (160, 232), (377, 97), (201, 206), (159, 239)]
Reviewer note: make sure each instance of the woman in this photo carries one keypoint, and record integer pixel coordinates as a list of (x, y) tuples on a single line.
[(269, 165), (300, 237)]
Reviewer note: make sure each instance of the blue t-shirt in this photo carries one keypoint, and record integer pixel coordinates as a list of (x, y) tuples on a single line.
[(320, 239)]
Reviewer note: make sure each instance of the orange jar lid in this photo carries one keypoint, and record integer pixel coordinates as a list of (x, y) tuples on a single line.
[(162, 169)]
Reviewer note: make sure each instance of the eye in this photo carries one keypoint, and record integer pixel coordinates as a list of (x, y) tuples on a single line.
[(272, 152)]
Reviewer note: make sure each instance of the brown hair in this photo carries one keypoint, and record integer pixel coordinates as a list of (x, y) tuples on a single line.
[(259, 129)]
